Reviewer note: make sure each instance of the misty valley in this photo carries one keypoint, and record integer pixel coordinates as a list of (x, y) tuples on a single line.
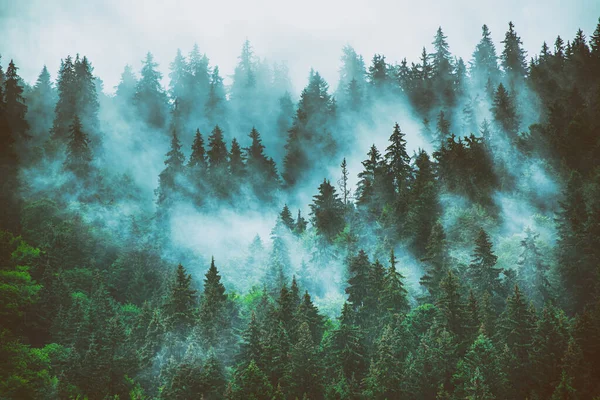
[(425, 229)]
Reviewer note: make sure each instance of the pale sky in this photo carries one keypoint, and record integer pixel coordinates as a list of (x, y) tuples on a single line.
[(305, 34)]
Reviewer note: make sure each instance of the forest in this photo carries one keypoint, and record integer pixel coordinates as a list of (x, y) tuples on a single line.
[(425, 229)]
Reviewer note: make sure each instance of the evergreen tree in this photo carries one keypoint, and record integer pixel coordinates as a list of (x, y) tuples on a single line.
[(216, 107), (237, 168), (393, 298), (213, 306), (262, 172), (327, 211), (286, 218), (86, 94), (504, 111), (150, 98), (309, 313), (168, 187), (250, 383), (15, 108), (358, 272), (79, 155), (125, 90), (484, 65), (251, 349), (304, 374), (532, 273), (436, 262), (513, 56), (482, 271), (442, 68), (398, 161), (451, 305), (67, 99), (218, 155), (180, 307), (41, 103), (300, 225)]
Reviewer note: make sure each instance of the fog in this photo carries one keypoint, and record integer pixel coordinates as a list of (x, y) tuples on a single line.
[(305, 34)]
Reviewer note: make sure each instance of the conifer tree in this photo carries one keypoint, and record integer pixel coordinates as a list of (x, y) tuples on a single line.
[(251, 349), (513, 56), (442, 68), (180, 307), (358, 271), (125, 90), (15, 108), (300, 225), (504, 111), (451, 305), (484, 66), (218, 155), (237, 168), (262, 172), (216, 107), (251, 383), (86, 95), (79, 155), (150, 98), (213, 306), (67, 97), (482, 271), (309, 313), (532, 273), (41, 103), (398, 161), (327, 211), (305, 370), (393, 298), (286, 218), (436, 262), (168, 189)]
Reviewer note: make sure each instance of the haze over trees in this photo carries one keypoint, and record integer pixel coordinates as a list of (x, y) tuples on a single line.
[(466, 269)]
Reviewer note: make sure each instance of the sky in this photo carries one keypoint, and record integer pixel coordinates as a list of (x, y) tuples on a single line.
[(305, 34)]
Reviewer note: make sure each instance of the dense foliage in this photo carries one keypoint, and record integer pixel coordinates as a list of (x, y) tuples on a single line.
[(469, 271)]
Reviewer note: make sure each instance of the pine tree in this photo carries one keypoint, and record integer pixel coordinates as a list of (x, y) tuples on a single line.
[(347, 348), (216, 107), (451, 305), (79, 155), (87, 96), (67, 99), (213, 306), (180, 307), (179, 85), (300, 225), (484, 66), (15, 108), (168, 187), (532, 273), (309, 313), (125, 90), (375, 187), (237, 168), (251, 383), (442, 69), (436, 262), (304, 374), (393, 298), (515, 329), (218, 155), (262, 172), (513, 55), (480, 367), (327, 211), (200, 79), (482, 271), (358, 272), (286, 218), (251, 349), (41, 103), (150, 98), (504, 111), (398, 161)]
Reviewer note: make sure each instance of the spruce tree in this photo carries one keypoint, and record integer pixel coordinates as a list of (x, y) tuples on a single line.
[(484, 66), (168, 187), (214, 322), (504, 111), (216, 106), (41, 103), (79, 155), (532, 272), (398, 161), (305, 369), (436, 262), (513, 56), (327, 211), (150, 98), (15, 108), (180, 307), (67, 99), (286, 218), (482, 271), (393, 298)]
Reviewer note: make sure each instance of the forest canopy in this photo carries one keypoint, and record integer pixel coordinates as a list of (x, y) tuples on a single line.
[(191, 238)]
